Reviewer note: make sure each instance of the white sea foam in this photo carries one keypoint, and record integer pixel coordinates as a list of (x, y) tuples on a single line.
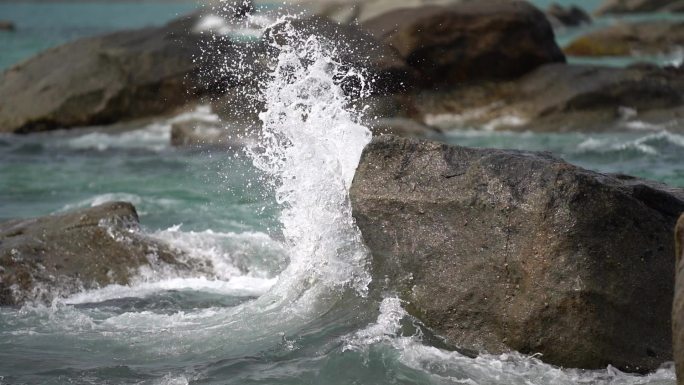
[(239, 286), (385, 329), (651, 144)]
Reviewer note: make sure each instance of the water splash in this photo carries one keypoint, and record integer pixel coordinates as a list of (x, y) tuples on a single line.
[(309, 148)]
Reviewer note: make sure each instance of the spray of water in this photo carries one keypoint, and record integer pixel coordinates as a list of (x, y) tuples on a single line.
[(309, 148)]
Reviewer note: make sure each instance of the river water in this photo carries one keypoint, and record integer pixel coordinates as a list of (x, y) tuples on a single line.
[(287, 300)]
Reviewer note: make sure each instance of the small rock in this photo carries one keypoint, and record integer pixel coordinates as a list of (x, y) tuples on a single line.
[(638, 6), (6, 25)]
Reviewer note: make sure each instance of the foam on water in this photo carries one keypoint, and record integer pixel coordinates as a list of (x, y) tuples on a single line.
[(651, 144), (451, 367)]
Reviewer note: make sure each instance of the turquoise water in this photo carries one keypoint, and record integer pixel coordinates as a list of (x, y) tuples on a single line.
[(283, 305)]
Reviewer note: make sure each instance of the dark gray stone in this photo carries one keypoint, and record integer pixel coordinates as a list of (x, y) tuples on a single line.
[(46, 257), (500, 250)]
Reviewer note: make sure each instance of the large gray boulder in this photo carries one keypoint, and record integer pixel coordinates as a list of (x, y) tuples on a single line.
[(104, 79), (500, 250), (476, 40), (47, 257), (678, 305)]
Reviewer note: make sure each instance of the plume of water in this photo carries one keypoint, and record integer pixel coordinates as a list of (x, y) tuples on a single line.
[(309, 148)]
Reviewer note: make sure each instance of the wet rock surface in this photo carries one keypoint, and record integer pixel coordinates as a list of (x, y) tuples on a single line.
[(502, 250), (626, 39), (678, 304), (469, 41), (44, 257)]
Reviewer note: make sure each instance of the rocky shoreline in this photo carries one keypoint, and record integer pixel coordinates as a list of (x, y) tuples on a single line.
[(494, 250)]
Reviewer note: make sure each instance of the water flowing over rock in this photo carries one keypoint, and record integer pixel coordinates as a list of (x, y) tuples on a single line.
[(87, 248), (678, 305), (625, 39), (103, 79), (492, 39), (500, 250)]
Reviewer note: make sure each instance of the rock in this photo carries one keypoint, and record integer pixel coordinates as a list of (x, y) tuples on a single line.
[(6, 25), (561, 98), (639, 6), (104, 79), (401, 127), (678, 304), (500, 250), (470, 41), (626, 39), (570, 16), (58, 255)]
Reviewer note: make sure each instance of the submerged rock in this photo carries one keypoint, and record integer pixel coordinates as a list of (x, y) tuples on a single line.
[(104, 79), (501, 250), (678, 304), (625, 39), (492, 39), (46, 257)]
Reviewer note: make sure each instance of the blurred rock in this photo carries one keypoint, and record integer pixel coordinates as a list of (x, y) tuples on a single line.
[(639, 6), (6, 25), (105, 79), (570, 16), (678, 304), (470, 41), (500, 250), (627, 39), (560, 98), (43, 258)]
